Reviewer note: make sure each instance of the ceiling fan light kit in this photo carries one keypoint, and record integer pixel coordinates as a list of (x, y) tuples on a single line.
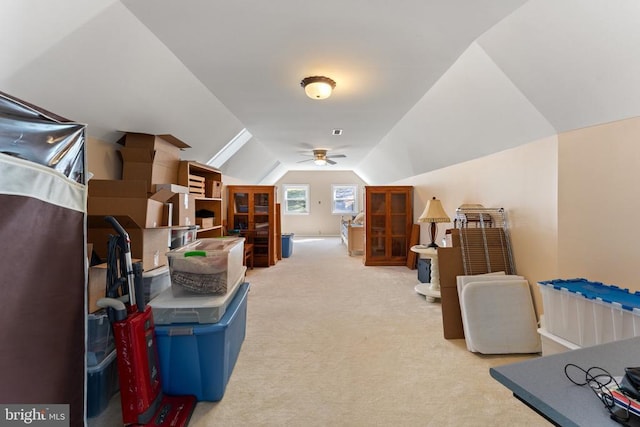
[(318, 87), (320, 157)]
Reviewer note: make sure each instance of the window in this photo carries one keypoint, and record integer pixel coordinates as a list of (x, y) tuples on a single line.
[(296, 199), (345, 199)]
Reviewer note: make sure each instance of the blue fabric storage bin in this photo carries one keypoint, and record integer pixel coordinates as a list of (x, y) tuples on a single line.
[(197, 359)]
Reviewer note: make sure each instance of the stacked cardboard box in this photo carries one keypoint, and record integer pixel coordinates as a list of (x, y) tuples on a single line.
[(146, 202), (183, 204), (151, 158)]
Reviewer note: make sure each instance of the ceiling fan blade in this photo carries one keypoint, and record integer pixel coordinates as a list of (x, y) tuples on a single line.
[(336, 156), (331, 162), (307, 160)]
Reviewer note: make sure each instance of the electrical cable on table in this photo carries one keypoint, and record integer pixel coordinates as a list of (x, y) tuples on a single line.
[(601, 382)]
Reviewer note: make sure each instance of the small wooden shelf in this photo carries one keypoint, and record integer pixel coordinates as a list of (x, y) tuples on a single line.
[(205, 183)]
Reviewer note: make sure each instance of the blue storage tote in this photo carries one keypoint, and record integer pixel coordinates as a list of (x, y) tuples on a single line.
[(102, 384), (589, 313), (197, 359)]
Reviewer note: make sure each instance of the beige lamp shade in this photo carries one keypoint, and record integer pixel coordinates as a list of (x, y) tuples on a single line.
[(434, 212)]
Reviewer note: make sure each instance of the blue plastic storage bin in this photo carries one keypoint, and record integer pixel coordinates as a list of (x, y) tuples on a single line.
[(197, 359), (587, 313), (599, 291), (102, 384), (287, 245)]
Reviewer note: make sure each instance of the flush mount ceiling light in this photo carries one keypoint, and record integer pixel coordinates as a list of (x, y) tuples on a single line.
[(318, 87)]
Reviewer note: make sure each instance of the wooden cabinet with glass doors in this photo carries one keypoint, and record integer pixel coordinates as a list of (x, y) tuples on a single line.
[(388, 223), (251, 213)]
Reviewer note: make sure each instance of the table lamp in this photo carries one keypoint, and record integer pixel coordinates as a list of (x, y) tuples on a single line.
[(433, 213)]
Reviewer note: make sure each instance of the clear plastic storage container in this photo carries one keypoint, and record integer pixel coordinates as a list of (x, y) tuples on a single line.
[(588, 313), (206, 266)]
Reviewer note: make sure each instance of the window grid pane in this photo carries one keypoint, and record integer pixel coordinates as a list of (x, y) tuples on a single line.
[(345, 199), (296, 199)]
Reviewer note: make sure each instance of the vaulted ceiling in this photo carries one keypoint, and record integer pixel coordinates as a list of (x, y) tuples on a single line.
[(421, 84)]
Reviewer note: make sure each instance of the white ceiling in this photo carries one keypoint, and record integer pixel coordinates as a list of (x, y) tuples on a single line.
[(420, 84)]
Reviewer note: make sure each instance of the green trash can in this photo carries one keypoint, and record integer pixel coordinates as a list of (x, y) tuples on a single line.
[(287, 244)]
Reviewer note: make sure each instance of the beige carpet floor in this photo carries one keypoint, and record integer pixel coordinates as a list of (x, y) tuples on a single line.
[(330, 342)]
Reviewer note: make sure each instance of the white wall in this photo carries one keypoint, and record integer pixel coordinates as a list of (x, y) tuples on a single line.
[(571, 202), (523, 181), (320, 220), (599, 203)]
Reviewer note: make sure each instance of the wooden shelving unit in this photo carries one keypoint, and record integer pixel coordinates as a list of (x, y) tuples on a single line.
[(205, 183), (388, 223)]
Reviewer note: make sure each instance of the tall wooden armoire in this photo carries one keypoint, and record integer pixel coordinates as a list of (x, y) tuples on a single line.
[(388, 223), (251, 212)]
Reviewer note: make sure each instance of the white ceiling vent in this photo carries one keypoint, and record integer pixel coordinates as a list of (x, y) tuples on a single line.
[(336, 132)]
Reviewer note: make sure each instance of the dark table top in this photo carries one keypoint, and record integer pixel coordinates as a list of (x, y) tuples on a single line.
[(541, 383)]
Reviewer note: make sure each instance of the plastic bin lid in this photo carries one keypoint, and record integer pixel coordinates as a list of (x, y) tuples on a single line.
[(597, 290), (166, 299), (156, 271), (211, 245), (100, 366), (188, 329)]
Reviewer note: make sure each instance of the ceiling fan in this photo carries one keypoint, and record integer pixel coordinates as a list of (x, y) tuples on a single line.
[(321, 158)]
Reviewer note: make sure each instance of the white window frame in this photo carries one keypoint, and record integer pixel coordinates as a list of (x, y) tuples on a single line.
[(304, 187), (334, 210)]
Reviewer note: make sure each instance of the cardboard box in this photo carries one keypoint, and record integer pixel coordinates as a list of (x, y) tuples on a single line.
[(153, 167), (166, 143), (128, 198), (151, 158), (214, 189), (96, 287), (147, 244), (184, 209), (204, 222), (450, 266), (183, 205)]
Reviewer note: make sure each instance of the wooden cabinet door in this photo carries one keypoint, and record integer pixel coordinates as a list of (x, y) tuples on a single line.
[(263, 226)]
